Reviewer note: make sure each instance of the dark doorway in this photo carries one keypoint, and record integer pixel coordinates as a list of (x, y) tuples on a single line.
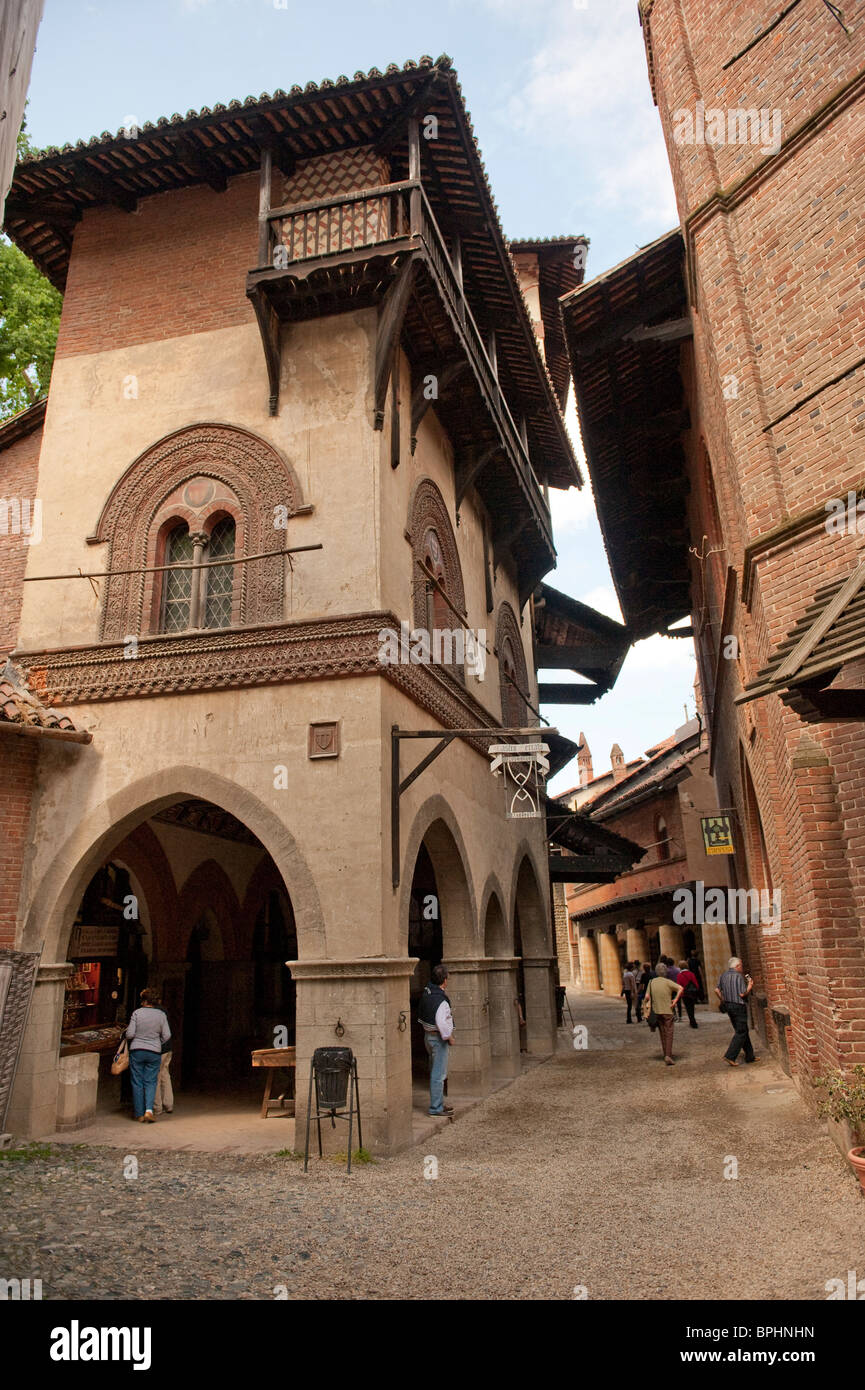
[(425, 942)]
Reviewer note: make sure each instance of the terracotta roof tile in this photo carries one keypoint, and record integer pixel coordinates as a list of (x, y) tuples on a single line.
[(18, 704)]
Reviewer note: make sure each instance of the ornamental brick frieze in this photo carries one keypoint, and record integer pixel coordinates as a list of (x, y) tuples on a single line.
[(273, 654)]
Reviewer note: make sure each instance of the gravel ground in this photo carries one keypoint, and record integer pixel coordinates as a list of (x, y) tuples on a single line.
[(554, 1182)]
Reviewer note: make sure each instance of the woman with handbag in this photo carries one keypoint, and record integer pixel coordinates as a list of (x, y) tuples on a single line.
[(148, 1030), (662, 996)]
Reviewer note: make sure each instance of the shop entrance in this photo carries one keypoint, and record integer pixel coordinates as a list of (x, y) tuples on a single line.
[(191, 905)]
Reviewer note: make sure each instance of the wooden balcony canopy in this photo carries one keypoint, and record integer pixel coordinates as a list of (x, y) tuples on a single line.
[(625, 332), (570, 635), (55, 188), (829, 634), (583, 852)]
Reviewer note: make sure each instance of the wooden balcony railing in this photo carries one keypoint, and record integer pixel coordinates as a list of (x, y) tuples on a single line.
[(351, 224)]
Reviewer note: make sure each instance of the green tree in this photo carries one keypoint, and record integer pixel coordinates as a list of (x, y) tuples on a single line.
[(29, 319)]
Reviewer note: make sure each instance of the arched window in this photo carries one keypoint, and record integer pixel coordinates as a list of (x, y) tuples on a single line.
[(439, 615), (199, 593), (235, 493), (220, 582), (434, 552), (513, 672), (662, 838), (177, 591)]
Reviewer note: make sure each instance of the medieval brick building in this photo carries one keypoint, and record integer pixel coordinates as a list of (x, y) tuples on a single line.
[(299, 398), (719, 374)]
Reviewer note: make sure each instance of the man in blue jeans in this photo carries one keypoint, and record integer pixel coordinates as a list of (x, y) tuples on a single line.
[(436, 1019)]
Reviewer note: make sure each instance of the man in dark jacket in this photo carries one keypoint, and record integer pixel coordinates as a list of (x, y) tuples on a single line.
[(436, 1019)]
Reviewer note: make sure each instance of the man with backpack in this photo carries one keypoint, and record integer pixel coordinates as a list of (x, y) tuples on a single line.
[(436, 1019)]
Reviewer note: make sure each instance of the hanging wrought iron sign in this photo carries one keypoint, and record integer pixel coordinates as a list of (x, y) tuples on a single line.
[(523, 768)]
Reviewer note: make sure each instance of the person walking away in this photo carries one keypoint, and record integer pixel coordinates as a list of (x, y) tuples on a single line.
[(646, 974), (436, 1019), (164, 1098), (672, 974), (629, 988), (663, 996), (148, 1030), (733, 989), (691, 985)]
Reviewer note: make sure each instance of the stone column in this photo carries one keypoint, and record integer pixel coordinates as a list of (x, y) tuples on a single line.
[(638, 944), (33, 1107), (589, 962), (504, 1024), (671, 942), (540, 1005), (370, 1000), (611, 966), (716, 953), (469, 1060)]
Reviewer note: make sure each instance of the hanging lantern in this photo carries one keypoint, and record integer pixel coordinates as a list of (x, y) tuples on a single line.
[(523, 768)]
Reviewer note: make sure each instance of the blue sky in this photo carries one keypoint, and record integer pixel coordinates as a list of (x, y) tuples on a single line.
[(559, 97)]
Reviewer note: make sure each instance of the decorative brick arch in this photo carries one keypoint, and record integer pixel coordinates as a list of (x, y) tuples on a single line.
[(257, 478), (429, 513), (509, 643)]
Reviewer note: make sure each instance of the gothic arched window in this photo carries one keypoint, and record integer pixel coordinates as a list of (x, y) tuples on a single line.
[(220, 581)]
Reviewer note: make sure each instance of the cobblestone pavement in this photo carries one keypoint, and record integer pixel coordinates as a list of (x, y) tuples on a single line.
[(569, 1177)]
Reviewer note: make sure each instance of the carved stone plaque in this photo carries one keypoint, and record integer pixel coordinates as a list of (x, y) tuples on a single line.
[(324, 740)]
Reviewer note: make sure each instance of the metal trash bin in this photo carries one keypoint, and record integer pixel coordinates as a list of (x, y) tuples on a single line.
[(332, 1074)]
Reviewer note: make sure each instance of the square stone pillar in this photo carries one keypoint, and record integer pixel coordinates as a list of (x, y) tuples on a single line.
[(469, 1060), (369, 999), (33, 1107), (78, 1082), (589, 962), (540, 1005), (504, 1025)]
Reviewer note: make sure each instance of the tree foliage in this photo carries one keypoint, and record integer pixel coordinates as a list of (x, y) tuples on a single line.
[(29, 319)]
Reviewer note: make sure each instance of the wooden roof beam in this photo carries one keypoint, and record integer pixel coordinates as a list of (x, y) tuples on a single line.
[(197, 159), (105, 190)]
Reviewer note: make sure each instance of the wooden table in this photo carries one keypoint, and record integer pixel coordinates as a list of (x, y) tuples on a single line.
[(273, 1058)]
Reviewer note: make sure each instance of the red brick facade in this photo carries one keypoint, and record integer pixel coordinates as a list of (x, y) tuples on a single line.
[(19, 467), (18, 760), (774, 243), (123, 289)]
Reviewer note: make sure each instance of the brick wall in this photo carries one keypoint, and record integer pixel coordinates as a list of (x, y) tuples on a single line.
[(19, 468), (18, 760), (775, 246), (178, 265)]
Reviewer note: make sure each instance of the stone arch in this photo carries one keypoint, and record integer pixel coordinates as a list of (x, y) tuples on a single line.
[(510, 652), (208, 888), (257, 475), (436, 826), (264, 881), (429, 512), (143, 855), (51, 913), (528, 900), (493, 920)]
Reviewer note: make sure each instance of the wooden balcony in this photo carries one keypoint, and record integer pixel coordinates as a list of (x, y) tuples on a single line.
[(383, 247)]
